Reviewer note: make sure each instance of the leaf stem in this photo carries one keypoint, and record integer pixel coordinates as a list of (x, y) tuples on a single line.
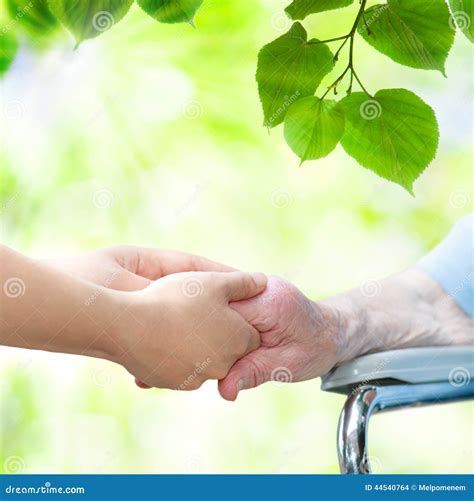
[(350, 66), (315, 42), (336, 55)]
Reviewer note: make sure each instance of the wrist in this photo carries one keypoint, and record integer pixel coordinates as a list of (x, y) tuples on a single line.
[(74, 316), (347, 320), (377, 316), (130, 336), (329, 327), (101, 322), (405, 310)]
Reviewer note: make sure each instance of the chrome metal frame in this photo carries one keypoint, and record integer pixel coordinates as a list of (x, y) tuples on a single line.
[(367, 400)]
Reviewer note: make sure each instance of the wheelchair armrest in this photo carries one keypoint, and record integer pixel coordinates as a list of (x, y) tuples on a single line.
[(453, 364), (392, 380)]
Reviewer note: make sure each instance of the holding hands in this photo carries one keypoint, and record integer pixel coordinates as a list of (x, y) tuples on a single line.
[(182, 330), (178, 329), (299, 339), (175, 320)]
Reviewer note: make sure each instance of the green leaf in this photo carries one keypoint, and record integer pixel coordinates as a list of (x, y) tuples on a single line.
[(313, 127), (395, 134), (299, 9), (290, 68), (89, 18), (8, 49), (34, 16), (415, 33), (463, 14), (171, 11)]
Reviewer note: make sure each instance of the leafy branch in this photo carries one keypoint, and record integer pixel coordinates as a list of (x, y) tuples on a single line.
[(350, 66), (393, 132)]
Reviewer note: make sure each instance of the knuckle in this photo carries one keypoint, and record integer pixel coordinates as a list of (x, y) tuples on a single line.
[(236, 280), (286, 291), (220, 371), (121, 250), (239, 344), (195, 384), (250, 340), (254, 341), (257, 372), (247, 282), (196, 262)]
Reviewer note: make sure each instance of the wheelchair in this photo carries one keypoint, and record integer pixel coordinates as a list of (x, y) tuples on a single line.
[(391, 380)]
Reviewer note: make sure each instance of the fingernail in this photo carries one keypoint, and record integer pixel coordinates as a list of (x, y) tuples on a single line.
[(240, 386), (259, 278)]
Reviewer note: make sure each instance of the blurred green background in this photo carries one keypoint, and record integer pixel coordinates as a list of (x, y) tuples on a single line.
[(151, 135)]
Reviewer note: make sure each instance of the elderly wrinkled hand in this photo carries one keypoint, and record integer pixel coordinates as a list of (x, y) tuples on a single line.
[(299, 339)]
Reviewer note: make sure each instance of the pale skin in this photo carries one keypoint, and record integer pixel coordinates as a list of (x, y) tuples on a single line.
[(156, 313), (287, 330)]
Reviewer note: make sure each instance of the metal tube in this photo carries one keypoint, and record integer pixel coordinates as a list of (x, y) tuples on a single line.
[(359, 407)]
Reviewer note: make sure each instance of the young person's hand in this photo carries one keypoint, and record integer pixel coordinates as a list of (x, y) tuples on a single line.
[(130, 268), (180, 331), (176, 333)]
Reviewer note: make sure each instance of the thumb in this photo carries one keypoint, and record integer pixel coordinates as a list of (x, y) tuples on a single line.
[(249, 372), (127, 281), (239, 285)]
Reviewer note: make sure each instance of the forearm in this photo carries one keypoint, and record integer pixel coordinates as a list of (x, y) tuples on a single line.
[(45, 309), (404, 310)]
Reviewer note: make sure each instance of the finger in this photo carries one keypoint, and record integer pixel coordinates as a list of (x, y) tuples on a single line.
[(154, 263), (254, 341), (249, 372), (254, 312), (239, 285), (141, 384), (241, 338), (126, 281), (243, 329)]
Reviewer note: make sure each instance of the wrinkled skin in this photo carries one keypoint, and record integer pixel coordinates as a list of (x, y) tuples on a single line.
[(299, 339)]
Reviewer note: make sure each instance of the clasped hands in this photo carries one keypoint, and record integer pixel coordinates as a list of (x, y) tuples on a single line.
[(183, 319)]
